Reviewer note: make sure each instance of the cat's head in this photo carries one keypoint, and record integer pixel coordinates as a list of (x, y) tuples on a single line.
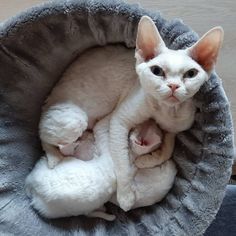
[(173, 76)]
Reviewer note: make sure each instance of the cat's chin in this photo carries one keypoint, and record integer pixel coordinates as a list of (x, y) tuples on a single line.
[(171, 101)]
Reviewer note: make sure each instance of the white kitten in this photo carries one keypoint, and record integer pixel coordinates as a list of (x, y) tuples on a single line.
[(143, 139), (103, 80), (76, 187)]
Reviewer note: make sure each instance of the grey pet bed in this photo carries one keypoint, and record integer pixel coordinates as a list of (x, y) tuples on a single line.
[(35, 48)]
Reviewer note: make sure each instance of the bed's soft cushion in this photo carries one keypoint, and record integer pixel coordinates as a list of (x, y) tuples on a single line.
[(35, 48)]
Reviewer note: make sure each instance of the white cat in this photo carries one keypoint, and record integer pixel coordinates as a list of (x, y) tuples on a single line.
[(104, 81), (168, 81), (76, 187)]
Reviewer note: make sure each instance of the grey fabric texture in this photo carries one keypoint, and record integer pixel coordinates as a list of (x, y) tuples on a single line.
[(225, 222), (35, 48)]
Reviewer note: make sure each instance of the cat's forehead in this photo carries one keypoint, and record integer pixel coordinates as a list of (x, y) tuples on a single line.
[(174, 61)]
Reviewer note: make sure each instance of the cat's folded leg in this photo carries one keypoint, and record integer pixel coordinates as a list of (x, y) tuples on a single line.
[(159, 156), (61, 124)]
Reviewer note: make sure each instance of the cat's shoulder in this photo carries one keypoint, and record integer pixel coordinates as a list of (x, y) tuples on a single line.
[(105, 54)]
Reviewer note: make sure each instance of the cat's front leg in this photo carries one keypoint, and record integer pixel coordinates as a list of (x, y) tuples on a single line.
[(125, 170), (159, 156), (132, 111), (123, 166)]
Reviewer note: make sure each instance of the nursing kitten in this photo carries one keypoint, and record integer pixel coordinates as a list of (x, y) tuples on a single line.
[(152, 145), (147, 141), (81, 149), (75, 187), (104, 81), (143, 139)]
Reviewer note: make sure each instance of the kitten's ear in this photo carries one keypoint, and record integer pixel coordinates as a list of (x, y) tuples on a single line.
[(205, 50), (149, 42)]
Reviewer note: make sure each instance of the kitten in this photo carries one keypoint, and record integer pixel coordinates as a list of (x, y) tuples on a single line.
[(103, 81), (76, 187), (144, 139), (81, 149)]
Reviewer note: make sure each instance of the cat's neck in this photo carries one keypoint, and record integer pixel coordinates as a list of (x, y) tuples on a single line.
[(174, 118)]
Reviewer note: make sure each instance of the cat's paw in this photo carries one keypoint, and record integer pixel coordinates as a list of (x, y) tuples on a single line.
[(126, 199), (81, 126), (53, 161)]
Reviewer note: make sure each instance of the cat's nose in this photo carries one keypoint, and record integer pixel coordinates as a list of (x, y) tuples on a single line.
[(173, 87)]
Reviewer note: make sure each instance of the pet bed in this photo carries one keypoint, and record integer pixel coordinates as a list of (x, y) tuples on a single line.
[(35, 48)]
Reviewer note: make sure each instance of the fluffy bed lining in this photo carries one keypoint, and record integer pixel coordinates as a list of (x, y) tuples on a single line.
[(35, 48)]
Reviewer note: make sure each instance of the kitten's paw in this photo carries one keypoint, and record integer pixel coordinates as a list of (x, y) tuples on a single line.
[(142, 162), (149, 160), (126, 199), (81, 126)]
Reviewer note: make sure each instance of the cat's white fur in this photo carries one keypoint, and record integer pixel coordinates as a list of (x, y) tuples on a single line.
[(76, 187), (104, 81), (172, 109)]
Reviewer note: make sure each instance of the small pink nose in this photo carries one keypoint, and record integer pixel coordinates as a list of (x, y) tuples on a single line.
[(173, 87)]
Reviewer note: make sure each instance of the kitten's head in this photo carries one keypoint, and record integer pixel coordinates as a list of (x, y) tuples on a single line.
[(145, 138), (173, 76)]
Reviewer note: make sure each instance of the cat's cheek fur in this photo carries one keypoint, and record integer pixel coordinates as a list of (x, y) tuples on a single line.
[(182, 94), (164, 92), (193, 85), (150, 83)]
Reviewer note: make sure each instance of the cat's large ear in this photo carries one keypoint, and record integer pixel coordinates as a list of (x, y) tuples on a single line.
[(149, 42), (205, 51)]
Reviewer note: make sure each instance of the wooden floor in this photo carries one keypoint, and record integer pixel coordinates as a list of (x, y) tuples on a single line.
[(201, 15)]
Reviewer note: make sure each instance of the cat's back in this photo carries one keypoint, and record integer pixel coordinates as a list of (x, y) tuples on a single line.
[(100, 74)]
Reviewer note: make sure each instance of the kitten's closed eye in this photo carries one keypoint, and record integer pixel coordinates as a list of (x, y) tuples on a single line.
[(190, 73), (158, 71)]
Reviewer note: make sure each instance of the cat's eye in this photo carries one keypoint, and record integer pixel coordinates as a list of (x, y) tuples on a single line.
[(190, 73), (158, 71)]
